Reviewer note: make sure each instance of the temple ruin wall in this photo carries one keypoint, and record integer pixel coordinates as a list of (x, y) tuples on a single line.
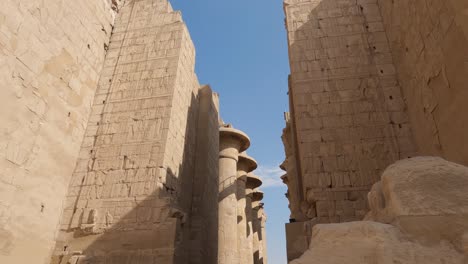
[(372, 82), (428, 41), (51, 55)]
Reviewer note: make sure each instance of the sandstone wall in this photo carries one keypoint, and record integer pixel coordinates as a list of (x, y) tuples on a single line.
[(348, 117), (418, 213), (429, 41), (365, 242), (291, 178), (367, 75), (204, 206), (130, 197), (348, 113), (51, 55)]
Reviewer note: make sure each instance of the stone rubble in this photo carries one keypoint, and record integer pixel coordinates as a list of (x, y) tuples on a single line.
[(418, 215)]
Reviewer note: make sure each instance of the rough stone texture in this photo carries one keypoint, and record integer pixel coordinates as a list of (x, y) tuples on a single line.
[(262, 233), (425, 203), (348, 114), (121, 104), (298, 236), (428, 41), (249, 215), (372, 243), (348, 118), (51, 55), (257, 235), (291, 178), (131, 196), (255, 219), (426, 197)]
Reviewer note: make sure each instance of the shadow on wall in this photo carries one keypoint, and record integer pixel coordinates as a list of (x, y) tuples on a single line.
[(350, 118), (144, 226)]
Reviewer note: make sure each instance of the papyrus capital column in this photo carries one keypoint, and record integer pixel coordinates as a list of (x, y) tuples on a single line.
[(252, 183), (231, 143), (257, 196), (263, 219), (245, 165)]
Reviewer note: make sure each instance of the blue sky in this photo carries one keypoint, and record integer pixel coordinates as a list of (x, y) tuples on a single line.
[(242, 53)]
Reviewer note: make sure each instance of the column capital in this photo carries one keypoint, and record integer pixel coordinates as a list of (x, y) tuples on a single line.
[(231, 142), (253, 181), (257, 196), (245, 165)]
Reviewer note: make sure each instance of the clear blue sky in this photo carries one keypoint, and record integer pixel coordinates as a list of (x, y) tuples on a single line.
[(242, 53)]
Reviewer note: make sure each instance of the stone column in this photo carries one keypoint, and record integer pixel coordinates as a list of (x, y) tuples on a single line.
[(249, 214), (245, 165), (263, 233), (257, 196), (252, 183), (231, 143)]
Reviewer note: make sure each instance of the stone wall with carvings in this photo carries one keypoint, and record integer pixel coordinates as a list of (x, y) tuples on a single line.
[(51, 55), (372, 82), (131, 195), (347, 111), (110, 147)]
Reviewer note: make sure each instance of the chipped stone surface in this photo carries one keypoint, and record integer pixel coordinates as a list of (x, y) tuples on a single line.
[(372, 243), (425, 197), (422, 206), (291, 178), (428, 41)]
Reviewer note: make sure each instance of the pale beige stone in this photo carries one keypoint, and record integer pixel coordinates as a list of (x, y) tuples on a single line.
[(370, 242), (342, 130), (372, 82), (51, 55), (251, 184), (231, 143), (257, 208), (245, 165), (426, 197), (422, 203), (432, 71), (143, 186), (263, 220)]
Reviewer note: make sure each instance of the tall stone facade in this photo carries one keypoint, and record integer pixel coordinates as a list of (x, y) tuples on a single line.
[(112, 151), (51, 56), (134, 178), (428, 42), (371, 82)]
